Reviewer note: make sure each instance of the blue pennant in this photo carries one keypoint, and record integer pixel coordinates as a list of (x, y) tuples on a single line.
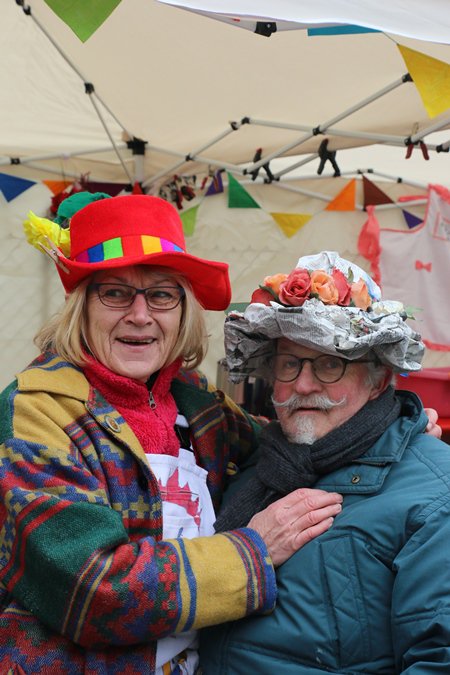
[(346, 29), (12, 187)]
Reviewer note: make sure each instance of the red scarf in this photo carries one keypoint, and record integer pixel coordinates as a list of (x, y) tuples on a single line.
[(154, 428)]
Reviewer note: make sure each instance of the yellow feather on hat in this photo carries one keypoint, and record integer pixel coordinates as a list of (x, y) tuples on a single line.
[(37, 230)]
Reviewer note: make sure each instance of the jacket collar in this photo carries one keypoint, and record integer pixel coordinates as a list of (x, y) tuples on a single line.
[(368, 473)]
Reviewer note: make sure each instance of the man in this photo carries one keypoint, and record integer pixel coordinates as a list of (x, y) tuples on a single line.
[(372, 594)]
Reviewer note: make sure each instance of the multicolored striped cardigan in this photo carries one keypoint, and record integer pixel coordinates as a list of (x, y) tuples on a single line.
[(86, 583)]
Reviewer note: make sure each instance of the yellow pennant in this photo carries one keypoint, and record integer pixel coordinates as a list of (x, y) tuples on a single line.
[(290, 223), (345, 200), (431, 77)]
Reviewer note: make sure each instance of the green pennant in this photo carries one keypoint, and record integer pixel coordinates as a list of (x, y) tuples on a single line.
[(189, 219), (236, 307), (238, 197), (81, 16)]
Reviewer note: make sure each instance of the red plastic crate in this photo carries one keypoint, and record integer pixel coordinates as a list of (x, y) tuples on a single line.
[(433, 387)]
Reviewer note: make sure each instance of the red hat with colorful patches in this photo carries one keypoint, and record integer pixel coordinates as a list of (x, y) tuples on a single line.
[(137, 230)]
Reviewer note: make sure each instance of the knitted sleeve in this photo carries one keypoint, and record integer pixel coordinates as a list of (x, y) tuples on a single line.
[(80, 537)]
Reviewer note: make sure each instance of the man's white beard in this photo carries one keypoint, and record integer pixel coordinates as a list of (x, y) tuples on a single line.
[(304, 431), (304, 428)]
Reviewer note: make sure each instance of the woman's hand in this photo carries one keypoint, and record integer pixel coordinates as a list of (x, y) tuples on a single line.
[(292, 521), (433, 427)]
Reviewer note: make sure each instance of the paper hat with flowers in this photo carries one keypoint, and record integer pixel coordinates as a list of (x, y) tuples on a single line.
[(122, 231), (328, 304)]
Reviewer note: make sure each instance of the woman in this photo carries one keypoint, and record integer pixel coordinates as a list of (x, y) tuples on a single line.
[(114, 457)]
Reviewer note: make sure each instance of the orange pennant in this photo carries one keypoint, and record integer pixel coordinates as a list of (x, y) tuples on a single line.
[(57, 186), (345, 200)]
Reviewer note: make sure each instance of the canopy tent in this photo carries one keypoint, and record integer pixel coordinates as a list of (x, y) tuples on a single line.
[(196, 96), (201, 95), (416, 19)]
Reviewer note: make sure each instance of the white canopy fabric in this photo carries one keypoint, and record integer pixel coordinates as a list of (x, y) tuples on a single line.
[(196, 89), (410, 18)]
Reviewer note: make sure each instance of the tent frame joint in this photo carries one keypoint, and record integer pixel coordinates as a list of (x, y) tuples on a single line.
[(137, 146)]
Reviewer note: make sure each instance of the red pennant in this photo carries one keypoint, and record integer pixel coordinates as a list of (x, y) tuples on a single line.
[(373, 195)]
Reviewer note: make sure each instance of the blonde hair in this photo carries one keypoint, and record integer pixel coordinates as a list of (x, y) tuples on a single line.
[(66, 332)]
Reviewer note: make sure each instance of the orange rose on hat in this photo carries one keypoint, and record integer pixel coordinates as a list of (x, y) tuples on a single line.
[(323, 286), (360, 295), (269, 290), (274, 282)]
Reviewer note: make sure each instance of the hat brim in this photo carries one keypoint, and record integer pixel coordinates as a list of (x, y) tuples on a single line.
[(347, 332), (209, 279)]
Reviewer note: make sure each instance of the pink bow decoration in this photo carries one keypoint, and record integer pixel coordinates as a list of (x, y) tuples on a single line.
[(423, 266)]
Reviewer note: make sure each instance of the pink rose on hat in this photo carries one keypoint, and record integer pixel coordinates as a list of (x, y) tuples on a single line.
[(296, 289)]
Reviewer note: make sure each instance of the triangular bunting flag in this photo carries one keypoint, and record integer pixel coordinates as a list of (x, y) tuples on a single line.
[(431, 77), (83, 17), (238, 197), (137, 189), (57, 186), (236, 307), (290, 223), (189, 219), (344, 29), (12, 187), (411, 220), (216, 185), (373, 195), (111, 189), (345, 200)]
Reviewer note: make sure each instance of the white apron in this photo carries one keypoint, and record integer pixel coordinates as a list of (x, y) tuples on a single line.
[(188, 513)]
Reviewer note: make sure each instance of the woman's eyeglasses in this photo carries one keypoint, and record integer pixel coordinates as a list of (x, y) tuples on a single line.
[(121, 296)]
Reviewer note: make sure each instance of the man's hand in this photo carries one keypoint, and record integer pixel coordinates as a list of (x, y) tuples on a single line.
[(433, 427), (292, 521)]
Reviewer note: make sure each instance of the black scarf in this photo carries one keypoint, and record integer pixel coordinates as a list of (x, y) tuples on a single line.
[(283, 466)]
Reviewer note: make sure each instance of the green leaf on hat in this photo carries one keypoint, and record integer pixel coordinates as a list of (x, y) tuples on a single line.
[(238, 197), (83, 17), (189, 219)]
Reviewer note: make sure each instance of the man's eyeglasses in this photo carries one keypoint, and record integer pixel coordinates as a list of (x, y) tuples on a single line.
[(327, 369), (121, 296)]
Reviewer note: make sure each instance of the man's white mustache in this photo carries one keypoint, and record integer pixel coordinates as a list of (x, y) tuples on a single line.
[(319, 401)]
